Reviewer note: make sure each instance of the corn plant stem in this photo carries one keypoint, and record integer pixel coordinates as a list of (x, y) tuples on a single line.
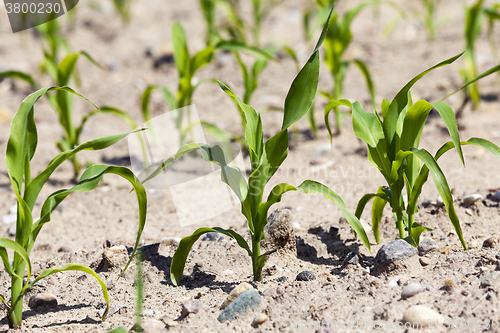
[(15, 315), (338, 80), (411, 219), (400, 224), (257, 270)]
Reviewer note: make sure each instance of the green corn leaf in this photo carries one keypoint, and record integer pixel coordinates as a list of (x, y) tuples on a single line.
[(385, 106), (185, 245), (379, 203), (234, 45), (34, 188), (448, 116), (146, 113), (480, 76), (369, 83), (415, 232), (67, 66), (442, 187), (23, 138), (253, 127), (20, 76), (81, 268), (108, 110), (89, 180), (401, 100), (181, 53), (16, 247), (202, 58), (301, 94), (310, 186), (329, 107), (472, 27)]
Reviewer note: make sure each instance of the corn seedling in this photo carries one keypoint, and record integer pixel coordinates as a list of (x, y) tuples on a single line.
[(336, 43), (393, 148), (62, 102), (188, 65), (21, 148), (428, 17), (266, 158)]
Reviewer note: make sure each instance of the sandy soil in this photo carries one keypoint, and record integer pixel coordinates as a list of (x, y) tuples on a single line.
[(80, 230)]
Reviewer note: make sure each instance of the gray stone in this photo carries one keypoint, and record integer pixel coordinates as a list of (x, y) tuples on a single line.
[(249, 299), (471, 199), (426, 245), (351, 259), (236, 292), (411, 290), (491, 280), (42, 300), (190, 306), (279, 233), (496, 196), (210, 236), (396, 257), (281, 279), (305, 276), (11, 231)]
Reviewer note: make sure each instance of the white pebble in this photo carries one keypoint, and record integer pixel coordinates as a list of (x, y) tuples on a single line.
[(392, 283), (411, 290), (424, 316), (470, 199)]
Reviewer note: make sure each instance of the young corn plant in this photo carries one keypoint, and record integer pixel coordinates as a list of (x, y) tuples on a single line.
[(266, 157), (428, 17), (62, 102), (393, 148), (21, 148), (188, 65), (336, 43)]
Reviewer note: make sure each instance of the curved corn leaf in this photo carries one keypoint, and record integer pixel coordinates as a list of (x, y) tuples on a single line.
[(253, 127), (480, 76), (202, 58), (329, 107), (368, 78), (16, 247), (67, 66), (146, 114), (81, 268), (181, 53), (325, 28), (379, 203), (34, 188), (20, 76), (401, 100), (230, 175), (185, 245), (23, 136), (234, 45), (442, 187), (89, 180), (448, 116)]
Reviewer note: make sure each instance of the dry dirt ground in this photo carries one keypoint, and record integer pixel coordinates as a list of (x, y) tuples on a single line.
[(340, 293)]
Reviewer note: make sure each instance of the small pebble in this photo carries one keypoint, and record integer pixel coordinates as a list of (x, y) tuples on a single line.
[(424, 261), (466, 293), (305, 276), (449, 285), (281, 279), (150, 325), (496, 196), (445, 250), (259, 319), (11, 231), (491, 280), (489, 242), (392, 283), (237, 291), (366, 270), (411, 290), (210, 236), (64, 248), (249, 299), (190, 306), (351, 259), (170, 241), (42, 300), (112, 310), (423, 315), (472, 198), (227, 272)]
